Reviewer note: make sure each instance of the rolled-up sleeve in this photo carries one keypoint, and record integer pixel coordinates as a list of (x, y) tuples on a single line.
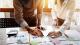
[(18, 12)]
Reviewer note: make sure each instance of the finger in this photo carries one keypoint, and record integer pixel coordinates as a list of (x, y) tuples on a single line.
[(51, 34), (39, 33), (34, 34)]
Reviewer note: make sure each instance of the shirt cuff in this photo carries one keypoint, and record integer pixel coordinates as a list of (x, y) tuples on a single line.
[(24, 24)]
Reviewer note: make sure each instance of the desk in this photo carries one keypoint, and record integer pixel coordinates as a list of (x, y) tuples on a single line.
[(48, 41)]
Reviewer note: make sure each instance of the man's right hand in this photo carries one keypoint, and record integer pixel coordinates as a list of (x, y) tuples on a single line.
[(35, 32), (54, 34)]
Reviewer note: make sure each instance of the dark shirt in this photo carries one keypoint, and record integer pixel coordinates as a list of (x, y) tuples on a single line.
[(24, 11)]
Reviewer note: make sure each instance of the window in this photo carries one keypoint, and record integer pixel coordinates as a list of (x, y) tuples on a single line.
[(6, 8), (6, 3)]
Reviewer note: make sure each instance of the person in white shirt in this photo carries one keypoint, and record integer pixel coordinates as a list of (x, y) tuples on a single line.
[(64, 9)]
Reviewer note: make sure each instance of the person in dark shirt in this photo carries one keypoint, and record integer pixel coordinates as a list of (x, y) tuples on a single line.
[(25, 17)]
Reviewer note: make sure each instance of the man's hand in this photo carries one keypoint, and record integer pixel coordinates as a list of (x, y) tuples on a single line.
[(55, 34), (35, 32)]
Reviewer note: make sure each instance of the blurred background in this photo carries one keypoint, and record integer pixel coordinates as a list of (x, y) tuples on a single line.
[(10, 28)]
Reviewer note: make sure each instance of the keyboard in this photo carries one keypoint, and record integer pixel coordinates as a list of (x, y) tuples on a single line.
[(8, 22)]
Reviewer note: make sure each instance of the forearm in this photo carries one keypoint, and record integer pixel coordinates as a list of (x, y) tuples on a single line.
[(39, 11), (18, 12), (65, 26)]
